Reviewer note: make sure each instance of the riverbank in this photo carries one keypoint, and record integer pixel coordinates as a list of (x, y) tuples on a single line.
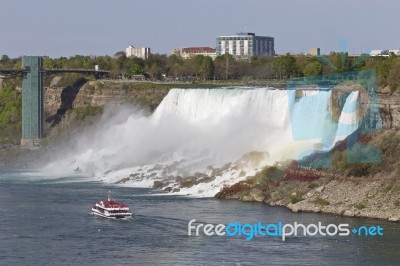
[(347, 189), (354, 197)]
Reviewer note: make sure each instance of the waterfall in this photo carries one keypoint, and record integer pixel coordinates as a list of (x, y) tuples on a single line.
[(200, 139)]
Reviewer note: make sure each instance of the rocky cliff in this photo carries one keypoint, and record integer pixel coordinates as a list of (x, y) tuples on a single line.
[(59, 99), (82, 93), (390, 110), (71, 104), (99, 93)]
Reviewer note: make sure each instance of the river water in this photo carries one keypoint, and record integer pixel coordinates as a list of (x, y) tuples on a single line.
[(46, 221)]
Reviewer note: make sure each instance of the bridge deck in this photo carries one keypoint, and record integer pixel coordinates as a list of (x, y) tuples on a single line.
[(72, 70), (18, 71)]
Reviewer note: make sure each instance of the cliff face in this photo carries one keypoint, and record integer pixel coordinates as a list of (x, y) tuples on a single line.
[(390, 110), (100, 93), (385, 105), (59, 99)]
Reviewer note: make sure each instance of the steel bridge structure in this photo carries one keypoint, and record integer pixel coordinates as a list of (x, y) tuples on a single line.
[(32, 72)]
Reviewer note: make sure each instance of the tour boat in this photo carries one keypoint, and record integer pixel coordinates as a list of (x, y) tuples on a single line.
[(111, 209)]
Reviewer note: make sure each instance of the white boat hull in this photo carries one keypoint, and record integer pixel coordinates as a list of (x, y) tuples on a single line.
[(124, 216)]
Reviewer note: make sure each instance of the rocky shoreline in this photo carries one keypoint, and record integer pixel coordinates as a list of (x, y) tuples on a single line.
[(375, 198)]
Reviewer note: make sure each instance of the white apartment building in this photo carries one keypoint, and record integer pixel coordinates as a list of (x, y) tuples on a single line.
[(138, 52)]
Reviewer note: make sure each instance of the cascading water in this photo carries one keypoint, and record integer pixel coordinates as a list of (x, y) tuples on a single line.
[(200, 139)]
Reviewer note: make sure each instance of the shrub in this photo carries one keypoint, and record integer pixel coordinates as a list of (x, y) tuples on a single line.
[(358, 169), (321, 201), (296, 197), (83, 112), (360, 206), (265, 176)]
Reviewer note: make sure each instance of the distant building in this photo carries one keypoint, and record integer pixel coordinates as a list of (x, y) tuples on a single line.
[(189, 52), (315, 52), (245, 45), (384, 52), (138, 52), (138, 77), (396, 52)]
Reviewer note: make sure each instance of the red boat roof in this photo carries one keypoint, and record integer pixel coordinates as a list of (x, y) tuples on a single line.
[(114, 204), (109, 203)]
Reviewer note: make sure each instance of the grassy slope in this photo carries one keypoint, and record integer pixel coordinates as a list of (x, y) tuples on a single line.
[(10, 115)]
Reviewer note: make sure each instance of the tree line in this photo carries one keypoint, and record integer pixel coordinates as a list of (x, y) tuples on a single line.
[(225, 67)]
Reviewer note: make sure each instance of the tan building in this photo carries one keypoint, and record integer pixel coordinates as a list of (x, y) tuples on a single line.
[(189, 52), (315, 51)]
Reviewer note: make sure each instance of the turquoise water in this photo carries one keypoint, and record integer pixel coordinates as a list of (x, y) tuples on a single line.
[(47, 222)]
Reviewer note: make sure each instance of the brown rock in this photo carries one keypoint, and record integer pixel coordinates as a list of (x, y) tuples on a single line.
[(257, 195), (348, 213), (247, 198)]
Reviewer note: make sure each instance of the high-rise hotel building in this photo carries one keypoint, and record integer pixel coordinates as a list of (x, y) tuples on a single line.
[(245, 45)]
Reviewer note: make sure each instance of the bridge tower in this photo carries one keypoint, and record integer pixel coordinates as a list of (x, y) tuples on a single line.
[(32, 101)]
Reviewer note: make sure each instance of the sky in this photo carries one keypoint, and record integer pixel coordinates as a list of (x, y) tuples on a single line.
[(98, 27)]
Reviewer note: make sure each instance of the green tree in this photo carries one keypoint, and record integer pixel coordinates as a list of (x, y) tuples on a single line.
[(312, 69), (154, 71), (290, 65), (224, 65), (383, 69), (342, 62), (393, 78), (104, 62), (196, 62), (285, 66), (174, 65), (260, 68), (5, 58), (135, 69), (120, 54), (159, 60), (207, 68), (7, 62)]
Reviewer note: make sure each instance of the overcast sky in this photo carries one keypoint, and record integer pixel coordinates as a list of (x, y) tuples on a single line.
[(98, 27)]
